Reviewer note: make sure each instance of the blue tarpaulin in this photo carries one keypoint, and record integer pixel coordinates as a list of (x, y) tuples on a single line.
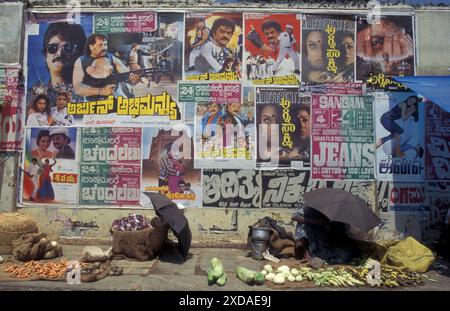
[(435, 88)]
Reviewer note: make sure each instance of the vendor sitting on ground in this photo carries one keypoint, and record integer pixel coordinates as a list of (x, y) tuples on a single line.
[(317, 236), (308, 220)]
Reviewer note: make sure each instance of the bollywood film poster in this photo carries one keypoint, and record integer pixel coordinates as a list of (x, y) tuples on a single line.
[(384, 48), (283, 128), (110, 166), (342, 137), (125, 76), (224, 124), (213, 46), (11, 108), (50, 166), (400, 134), (328, 49), (232, 188), (168, 166), (272, 48), (437, 142)]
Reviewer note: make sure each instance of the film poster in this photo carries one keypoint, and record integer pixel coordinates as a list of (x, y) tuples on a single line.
[(343, 137), (125, 76), (400, 135), (224, 124), (168, 166), (272, 48), (213, 46), (50, 166), (283, 128), (385, 48), (328, 49), (110, 166)]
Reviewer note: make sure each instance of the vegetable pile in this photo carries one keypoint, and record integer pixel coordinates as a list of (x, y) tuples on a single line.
[(48, 270), (249, 276), (342, 276), (216, 273)]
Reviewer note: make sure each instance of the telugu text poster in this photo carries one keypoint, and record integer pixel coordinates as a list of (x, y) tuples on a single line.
[(342, 131), (229, 188), (50, 166), (111, 145), (400, 134), (168, 166), (328, 49), (385, 49), (110, 166), (109, 184), (284, 188), (11, 108), (437, 142), (272, 48), (408, 197), (213, 46), (283, 128)]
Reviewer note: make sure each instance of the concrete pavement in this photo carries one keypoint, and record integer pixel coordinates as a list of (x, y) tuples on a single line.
[(170, 273)]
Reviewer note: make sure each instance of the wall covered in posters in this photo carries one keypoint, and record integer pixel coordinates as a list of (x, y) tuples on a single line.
[(291, 87)]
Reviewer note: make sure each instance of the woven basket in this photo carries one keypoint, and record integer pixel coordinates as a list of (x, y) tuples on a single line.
[(12, 227), (158, 234)]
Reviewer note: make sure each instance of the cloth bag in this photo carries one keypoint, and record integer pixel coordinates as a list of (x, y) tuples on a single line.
[(410, 254), (132, 244)]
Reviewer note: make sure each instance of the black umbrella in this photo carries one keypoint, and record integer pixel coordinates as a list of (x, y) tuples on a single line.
[(342, 206), (167, 209)]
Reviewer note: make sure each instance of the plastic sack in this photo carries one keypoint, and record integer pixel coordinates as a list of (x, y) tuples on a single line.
[(94, 253), (410, 254)]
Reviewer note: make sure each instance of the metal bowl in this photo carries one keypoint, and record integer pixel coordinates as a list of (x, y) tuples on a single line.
[(260, 234)]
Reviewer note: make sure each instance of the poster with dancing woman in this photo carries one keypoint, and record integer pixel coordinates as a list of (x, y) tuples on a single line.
[(50, 166), (400, 136)]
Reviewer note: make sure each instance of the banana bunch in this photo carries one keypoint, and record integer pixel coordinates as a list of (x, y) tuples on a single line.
[(394, 277), (330, 277)]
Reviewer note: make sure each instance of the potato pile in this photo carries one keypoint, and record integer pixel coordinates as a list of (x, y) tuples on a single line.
[(35, 246)]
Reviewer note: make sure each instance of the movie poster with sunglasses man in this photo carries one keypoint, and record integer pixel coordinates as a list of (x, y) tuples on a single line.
[(105, 69), (213, 48), (384, 49)]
